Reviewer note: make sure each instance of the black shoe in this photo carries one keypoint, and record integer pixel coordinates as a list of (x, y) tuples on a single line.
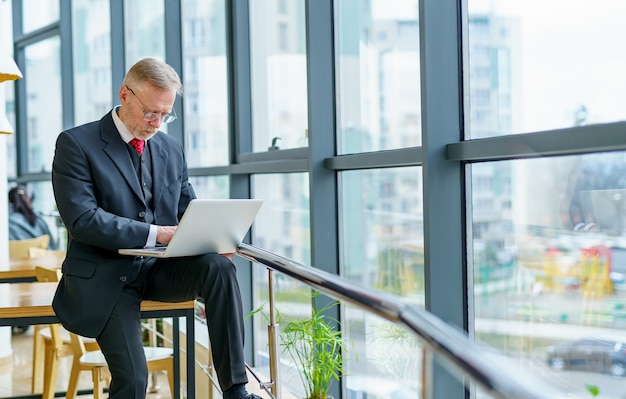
[(239, 391)]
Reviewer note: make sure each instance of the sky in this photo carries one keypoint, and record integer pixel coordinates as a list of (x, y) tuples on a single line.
[(573, 53)]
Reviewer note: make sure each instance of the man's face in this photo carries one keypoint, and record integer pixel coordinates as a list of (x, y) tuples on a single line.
[(144, 108)]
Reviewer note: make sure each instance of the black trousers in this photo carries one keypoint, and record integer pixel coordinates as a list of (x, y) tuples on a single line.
[(210, 277)]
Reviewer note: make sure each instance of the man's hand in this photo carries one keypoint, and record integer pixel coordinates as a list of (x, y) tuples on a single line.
[(165, 233), (229, 255)]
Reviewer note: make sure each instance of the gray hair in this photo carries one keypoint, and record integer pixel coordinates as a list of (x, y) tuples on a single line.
[(156, 72)]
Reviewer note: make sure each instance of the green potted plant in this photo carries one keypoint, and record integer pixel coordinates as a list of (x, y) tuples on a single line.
[(317, 348)]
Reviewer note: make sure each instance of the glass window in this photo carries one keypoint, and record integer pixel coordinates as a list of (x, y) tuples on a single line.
[(541, 78), (11, 150), (42, 77), (7, 88), (39, 13), (378, 75), (384, 360), (382, 211), (91, 37), (549, 263), (144, 34), (205, 83), (145, 30), (281, 226), (279, 74), (210, 186), (382, 246), (44, 203)]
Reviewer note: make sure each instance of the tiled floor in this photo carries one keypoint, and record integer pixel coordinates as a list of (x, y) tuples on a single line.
[(15, 380)]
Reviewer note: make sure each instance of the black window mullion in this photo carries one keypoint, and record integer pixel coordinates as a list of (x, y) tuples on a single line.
[(174, 57), (240, 130), (445, 266), (67, 64), (323, 204)]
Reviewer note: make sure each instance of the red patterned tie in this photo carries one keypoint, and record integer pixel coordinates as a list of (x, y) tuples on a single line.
[(138, 145)]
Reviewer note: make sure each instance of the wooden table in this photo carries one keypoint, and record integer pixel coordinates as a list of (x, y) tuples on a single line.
[(23, 269), (23, 304)]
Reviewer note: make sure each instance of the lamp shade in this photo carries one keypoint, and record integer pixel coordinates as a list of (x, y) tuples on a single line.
[(8, 68), (5, 125)]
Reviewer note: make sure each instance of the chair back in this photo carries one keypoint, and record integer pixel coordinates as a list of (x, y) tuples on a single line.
[(19, 248), (44, 274), (34, 252)]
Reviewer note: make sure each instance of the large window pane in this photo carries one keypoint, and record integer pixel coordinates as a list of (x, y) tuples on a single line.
[(385, 359), (7, 93), (282, 226), (210, 186), (382, 247), (279, 89), (42, 77), (526, 75), (205, 80), (549, 265), (39, 13), (91, 37), (382, 229), (11, 161), (44, 203), (144, 34), (379, 75)]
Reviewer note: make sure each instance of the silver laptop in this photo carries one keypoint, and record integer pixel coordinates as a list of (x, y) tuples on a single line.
[(207, 226)]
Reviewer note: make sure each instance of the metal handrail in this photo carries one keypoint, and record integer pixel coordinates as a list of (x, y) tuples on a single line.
[(497, 375)]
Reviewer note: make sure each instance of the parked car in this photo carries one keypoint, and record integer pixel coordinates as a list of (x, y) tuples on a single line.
[(589, 354)]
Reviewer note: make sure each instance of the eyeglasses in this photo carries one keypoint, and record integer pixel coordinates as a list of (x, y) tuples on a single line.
[(153, 116)]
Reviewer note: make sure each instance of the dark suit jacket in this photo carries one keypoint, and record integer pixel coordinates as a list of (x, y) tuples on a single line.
[(100, 200)]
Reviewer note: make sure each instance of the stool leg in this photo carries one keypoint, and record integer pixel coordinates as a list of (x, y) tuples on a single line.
[(72, 387), (51, 368), (98, 377), (38, 356), (170, 377)]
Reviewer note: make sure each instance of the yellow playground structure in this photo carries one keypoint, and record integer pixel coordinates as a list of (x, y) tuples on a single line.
[(589, 272)]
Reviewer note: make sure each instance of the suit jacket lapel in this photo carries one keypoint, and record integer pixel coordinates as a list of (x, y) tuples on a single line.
[(115, 148)]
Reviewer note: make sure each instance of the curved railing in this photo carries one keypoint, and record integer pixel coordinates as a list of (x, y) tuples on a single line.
[(499, 376)]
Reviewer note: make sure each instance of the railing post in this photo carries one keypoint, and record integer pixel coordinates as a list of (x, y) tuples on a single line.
[(272, 332)]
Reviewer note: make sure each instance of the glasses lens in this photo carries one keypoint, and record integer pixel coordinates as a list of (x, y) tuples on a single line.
[(153, 116), (168, 118), (150, 116)]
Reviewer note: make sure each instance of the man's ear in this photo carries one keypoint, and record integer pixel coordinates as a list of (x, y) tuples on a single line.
[(123, 94)]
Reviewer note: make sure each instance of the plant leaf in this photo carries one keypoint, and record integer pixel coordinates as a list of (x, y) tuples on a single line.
[(593, 389)]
